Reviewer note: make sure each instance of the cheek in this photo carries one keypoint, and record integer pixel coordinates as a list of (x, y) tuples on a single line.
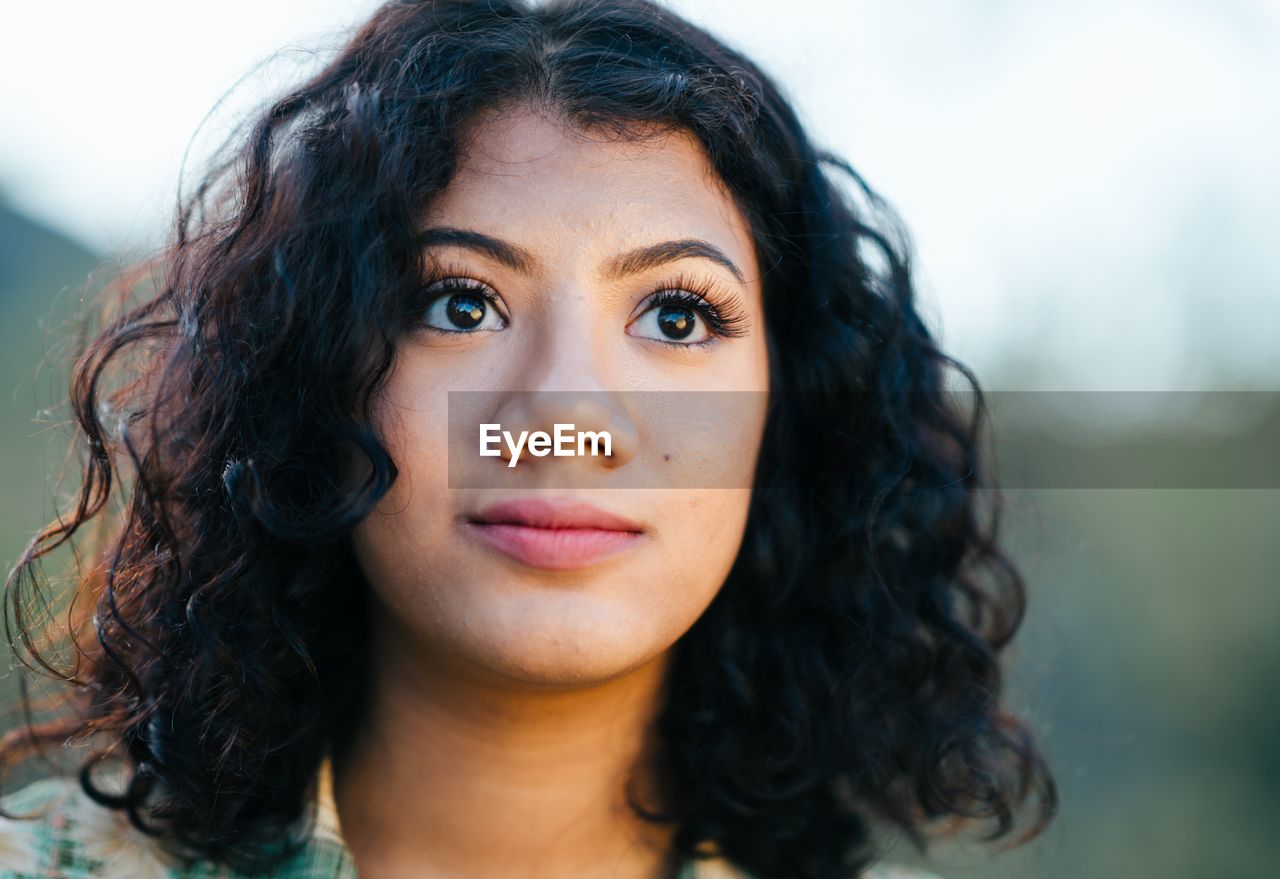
[(411, 419), (395, 542), (702, 538)]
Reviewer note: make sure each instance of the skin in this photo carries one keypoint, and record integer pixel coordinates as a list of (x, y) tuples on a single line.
[(511, 704)]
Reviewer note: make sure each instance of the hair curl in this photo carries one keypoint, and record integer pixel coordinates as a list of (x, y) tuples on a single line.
[(846, 672)]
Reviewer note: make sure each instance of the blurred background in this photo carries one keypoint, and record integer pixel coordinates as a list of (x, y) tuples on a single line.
[(1094, 196)]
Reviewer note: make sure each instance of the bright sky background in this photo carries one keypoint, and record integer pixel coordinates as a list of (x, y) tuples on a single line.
[(1093, 186)]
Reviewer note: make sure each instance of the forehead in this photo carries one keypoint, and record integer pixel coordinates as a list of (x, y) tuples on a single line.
[(533, 176)]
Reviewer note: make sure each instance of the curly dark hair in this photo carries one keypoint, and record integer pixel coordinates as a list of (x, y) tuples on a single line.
[(848, 670)]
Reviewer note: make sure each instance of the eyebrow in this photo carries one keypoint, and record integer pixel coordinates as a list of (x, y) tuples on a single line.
[(629, 263)]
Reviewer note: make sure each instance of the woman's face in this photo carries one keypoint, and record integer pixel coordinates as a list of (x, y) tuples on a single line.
[(568, 314)]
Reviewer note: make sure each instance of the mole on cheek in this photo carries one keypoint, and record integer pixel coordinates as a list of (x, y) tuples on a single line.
[(666, 456)]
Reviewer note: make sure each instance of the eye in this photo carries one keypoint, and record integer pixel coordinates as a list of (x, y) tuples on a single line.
[(462, 305), (673, 321), (690, 313)]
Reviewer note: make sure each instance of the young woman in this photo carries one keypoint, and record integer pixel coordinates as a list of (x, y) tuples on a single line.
[(307, 647)]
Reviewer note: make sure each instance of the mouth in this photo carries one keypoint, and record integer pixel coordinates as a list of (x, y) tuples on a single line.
[(554, 535)]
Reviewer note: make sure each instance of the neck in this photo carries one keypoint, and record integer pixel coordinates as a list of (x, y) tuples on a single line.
[(458, 773)]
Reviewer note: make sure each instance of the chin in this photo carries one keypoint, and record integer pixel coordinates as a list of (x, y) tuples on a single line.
[(563, 666), (559, 653), (554, 671)]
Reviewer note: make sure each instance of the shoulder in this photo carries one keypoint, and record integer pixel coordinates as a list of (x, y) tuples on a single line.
[(30, 825), (53, 830)]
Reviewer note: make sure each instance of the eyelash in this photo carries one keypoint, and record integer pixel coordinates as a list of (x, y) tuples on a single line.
[(724, 320), (455, 282)]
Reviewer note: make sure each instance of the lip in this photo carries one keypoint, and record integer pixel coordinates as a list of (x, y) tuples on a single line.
[(554, 535)]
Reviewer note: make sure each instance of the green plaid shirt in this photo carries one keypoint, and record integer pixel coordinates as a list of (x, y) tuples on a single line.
[(75, 838)]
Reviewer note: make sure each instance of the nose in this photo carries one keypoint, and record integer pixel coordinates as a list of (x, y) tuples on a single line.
[(581, 414), (565, 381)]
